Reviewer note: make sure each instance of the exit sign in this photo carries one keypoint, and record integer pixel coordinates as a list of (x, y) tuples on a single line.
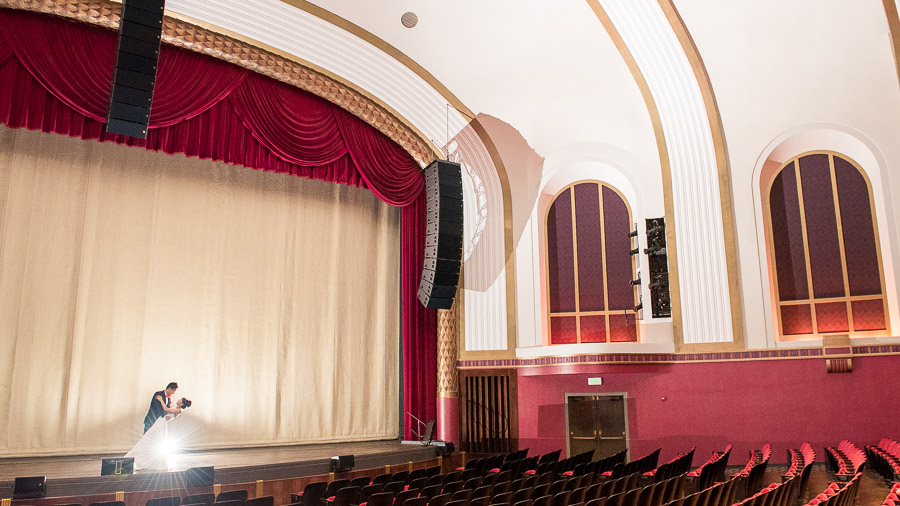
[(595, 381)]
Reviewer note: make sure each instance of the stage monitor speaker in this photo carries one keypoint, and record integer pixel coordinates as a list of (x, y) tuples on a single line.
[(124, 465), (199, 476), (443, 234), (342, 464), (444, 449), (140, 30), (32, 487)]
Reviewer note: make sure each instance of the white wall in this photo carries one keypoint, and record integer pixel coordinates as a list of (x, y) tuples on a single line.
[(778, 66)]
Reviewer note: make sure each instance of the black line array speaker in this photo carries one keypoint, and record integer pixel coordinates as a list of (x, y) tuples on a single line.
[(443, 236), (140, 30), (660, 299)]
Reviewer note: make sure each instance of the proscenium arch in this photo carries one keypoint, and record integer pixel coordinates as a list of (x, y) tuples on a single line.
[(852, 145), (429, 111)]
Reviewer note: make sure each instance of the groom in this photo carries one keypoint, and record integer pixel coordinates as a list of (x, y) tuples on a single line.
[(160, 404)]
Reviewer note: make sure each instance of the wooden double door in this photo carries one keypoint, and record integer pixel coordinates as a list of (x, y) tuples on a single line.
[(596, 422)]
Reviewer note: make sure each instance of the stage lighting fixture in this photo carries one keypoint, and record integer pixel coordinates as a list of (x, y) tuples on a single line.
[(123, 465), (636, 282), (633, 233), (635, 251), (342, 464)]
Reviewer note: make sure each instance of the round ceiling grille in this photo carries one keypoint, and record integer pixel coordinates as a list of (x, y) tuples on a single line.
[(409, 19)]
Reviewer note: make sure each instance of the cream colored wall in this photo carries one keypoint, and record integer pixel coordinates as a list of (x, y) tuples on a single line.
[(783, 67)]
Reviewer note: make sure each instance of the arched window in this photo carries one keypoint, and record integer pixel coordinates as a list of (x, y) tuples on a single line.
[(589, 266), (823, 246)]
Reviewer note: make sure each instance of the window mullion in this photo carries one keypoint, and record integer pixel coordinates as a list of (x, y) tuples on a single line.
[(840, 234), (603, 259), (575, 267), (809, 280)]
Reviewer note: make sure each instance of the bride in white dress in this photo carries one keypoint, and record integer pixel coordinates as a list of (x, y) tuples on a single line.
[(158, 448)]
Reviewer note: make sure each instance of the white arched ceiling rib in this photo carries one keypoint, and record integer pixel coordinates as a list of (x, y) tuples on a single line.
[(484, 253), (368, 68), (702, 268)]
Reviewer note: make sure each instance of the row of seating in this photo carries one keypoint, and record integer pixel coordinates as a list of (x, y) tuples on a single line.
[(655, 494), (885, 458), (711, 471), (799, 459), (837, 495), (776, 494), (757, 457), (893, 497), (754, 471), (229, 498), (719, 493), (680, 464), (597, 467), (845, 460), (640, 466)]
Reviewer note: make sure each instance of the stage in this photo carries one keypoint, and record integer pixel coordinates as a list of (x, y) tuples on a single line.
[(80, 475)]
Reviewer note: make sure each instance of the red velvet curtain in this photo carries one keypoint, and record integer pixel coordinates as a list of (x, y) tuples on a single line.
[(55, 76), (419, 355)]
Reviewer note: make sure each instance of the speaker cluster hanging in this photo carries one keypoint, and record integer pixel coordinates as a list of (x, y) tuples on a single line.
[(443, 236)]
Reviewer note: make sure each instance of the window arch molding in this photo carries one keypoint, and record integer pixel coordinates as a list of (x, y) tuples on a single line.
[(583, 306), (850, 144)]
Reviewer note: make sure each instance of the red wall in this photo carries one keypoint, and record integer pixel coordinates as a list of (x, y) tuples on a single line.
[(711, 404)]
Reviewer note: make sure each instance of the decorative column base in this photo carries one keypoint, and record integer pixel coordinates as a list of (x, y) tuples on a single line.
[(448, 419)]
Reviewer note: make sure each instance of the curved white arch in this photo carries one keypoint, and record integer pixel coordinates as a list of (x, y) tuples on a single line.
[(857, 146)]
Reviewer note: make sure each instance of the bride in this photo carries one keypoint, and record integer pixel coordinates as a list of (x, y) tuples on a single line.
[(158, 448)]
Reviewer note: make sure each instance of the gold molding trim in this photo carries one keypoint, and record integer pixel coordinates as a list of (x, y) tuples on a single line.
[(665, 167), (195, 36), (893, 19)]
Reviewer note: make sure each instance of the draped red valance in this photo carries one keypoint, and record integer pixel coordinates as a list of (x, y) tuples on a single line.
[(55, 76)]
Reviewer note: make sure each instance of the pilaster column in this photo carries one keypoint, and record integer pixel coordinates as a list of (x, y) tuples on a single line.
[(448, 376)]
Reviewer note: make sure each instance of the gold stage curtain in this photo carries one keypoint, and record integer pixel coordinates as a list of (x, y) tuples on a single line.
[(271, 299)]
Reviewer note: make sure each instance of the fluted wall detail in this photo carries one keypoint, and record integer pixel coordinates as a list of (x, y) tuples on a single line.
[(484, 253), (699, 236)]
